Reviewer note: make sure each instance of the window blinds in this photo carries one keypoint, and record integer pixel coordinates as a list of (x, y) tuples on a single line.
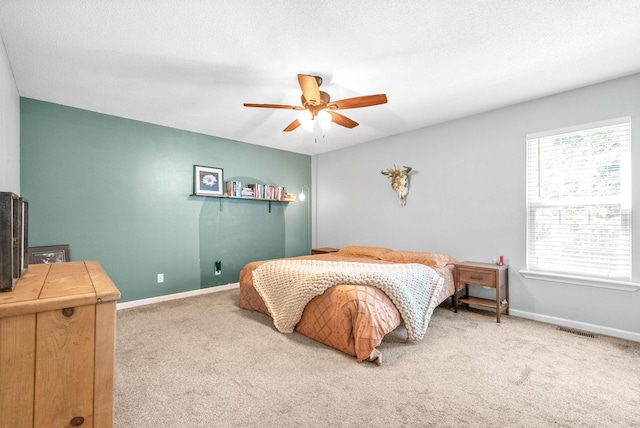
[(579, 201)]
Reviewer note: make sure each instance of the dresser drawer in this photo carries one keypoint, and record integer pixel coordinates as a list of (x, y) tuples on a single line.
[(477, 276)]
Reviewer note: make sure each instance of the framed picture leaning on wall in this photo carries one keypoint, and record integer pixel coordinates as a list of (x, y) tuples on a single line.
[(49, 254), (208, 181)]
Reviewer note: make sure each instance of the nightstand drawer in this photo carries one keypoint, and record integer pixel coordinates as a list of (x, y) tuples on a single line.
[(476, 276)]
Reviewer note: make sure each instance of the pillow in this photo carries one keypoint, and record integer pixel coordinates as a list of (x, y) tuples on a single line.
[(363, 251), (430, 259)]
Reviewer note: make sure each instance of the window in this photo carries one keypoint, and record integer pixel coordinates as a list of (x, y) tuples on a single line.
[(579, 201)]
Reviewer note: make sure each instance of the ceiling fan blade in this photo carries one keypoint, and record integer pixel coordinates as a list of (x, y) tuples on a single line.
[(273, 106), (293, 125), (310, 90), (364, 101), (342, 120)]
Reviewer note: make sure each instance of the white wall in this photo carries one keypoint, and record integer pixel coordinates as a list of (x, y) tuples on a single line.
[(467, 198), (9, 127)]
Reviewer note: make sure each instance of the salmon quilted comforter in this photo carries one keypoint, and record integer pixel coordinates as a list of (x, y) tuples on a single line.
[(352, 318)]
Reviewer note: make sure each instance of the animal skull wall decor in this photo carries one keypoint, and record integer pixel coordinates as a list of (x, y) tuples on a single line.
[(399, 181)]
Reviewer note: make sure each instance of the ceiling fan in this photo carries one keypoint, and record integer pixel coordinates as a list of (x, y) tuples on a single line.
[(318, 104)]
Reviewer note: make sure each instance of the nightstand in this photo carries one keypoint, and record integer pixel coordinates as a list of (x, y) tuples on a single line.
[(323, 250), (485, 275)]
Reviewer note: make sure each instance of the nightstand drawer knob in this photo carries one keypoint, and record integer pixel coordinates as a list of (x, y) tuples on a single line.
[(476, 277)]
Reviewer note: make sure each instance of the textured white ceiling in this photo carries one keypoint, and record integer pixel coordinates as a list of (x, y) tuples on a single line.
[(192, 64)]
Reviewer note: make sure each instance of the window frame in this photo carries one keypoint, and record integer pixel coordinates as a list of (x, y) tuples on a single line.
[(619, 283)]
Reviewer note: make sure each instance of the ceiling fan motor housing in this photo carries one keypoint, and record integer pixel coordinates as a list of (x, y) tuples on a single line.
[(316, 105)]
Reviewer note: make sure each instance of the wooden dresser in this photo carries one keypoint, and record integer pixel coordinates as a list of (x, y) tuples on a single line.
[(57, 344)]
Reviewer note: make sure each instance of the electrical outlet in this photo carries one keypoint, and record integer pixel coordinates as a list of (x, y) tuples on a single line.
[(160, 278), (218, 267)]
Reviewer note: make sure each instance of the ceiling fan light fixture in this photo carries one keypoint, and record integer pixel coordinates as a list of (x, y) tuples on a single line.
[(324, 118), (306, 120)]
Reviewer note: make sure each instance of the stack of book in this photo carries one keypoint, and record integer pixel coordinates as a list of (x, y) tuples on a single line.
[(235, 189)]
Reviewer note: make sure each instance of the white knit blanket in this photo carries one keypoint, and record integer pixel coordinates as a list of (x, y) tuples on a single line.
[(286, 286)]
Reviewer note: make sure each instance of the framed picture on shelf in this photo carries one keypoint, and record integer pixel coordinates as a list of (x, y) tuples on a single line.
[(49, 254), (208, 181)]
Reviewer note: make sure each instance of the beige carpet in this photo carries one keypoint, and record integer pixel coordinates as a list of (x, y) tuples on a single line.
[(204, 362)]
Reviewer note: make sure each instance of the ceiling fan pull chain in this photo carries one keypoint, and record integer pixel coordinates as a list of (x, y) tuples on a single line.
[(315, 131)]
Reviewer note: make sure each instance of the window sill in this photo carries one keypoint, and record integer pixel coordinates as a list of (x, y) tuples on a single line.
[(581, 280)]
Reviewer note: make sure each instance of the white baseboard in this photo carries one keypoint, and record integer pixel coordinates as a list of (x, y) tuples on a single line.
[(175, 296), (606, 331)]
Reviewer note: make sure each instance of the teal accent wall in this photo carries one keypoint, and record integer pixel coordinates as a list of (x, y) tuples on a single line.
[(119, 191)]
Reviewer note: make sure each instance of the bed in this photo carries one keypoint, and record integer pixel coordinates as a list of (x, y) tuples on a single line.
[(352, 318)]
